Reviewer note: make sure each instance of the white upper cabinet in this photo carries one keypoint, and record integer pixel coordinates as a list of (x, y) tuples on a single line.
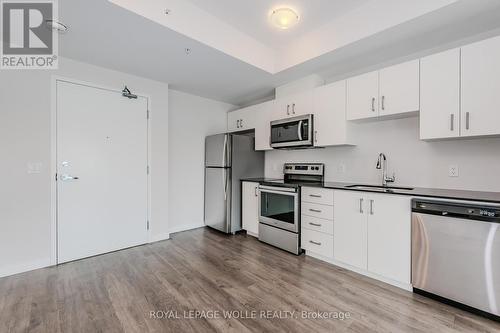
[(330, 125), (293, 105), (362, 96), (242, 119), (399, 89), (389, 92), (263, 126), (481, 88), (440, 95)]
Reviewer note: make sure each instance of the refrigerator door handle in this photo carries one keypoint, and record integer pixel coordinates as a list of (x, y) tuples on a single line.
[(224, 183), (224, 152)]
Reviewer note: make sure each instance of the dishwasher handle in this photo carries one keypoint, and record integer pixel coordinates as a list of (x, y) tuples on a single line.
[(472, 211)]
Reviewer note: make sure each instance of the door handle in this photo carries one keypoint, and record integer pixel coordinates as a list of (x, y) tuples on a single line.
[(315, 224), (452, 122), (241, 123), (371, 207), (66, 178), (361, 205), (256, 192), (467, 120), (383, 102), (299, 130), (288, 109), (316, 136), (238, 123), (373, 104), (293, 108), (315, 243)]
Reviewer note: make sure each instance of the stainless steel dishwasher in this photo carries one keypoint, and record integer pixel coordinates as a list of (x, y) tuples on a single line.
[(456, 253)]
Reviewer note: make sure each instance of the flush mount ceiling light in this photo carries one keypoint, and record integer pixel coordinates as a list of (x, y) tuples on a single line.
[(284, 18), (56, 26)]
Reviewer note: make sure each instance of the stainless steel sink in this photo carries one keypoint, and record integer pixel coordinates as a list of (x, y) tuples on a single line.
[(379, 188)]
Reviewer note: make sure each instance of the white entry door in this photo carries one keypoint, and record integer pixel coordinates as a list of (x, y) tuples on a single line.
[(102, 187)]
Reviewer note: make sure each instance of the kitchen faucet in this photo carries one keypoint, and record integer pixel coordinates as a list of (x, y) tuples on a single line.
[(382, 164)]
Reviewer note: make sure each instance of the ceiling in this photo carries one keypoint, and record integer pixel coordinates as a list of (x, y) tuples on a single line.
[(107, 35), (252, 17)]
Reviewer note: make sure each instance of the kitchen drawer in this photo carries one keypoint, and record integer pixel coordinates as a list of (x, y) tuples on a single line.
[(317, 242), (316, 224), (316, 210), (317, 195)]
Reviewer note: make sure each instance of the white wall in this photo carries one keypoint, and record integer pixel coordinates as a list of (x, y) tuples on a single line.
[(191, 119), (25, 136), (415, 162)]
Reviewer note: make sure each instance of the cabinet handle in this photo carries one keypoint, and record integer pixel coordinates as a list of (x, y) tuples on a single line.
[(256, 191), (293, 108), (467, 120), (383, 102), (315, 195), (361, 205), (452, 122), (241, 123), (315, 224), (237, 124), (288, 109), (314, 210), (373, 104), (371, 207), (316, 136), (315, 243)]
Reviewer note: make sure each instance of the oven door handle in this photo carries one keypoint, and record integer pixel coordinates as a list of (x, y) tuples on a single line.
[(290, 194), (299, 130), (283, 190)]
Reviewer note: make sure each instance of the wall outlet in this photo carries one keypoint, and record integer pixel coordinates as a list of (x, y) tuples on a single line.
[(453, 171)]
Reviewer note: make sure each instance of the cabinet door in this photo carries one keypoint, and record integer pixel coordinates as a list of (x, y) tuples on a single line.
[(399, 88), (480, 88), (362, 96), (263, 126), (330, 124), (440, 95), (242, 119), (389, 236), (350, 228), (294, 105), (250, 208)]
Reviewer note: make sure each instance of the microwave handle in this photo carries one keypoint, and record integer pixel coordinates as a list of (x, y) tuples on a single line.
[(299, 130)]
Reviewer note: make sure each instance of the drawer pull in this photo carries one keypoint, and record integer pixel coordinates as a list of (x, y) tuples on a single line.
[(315, 195), (315, 224), (314, 210), (315, 243)]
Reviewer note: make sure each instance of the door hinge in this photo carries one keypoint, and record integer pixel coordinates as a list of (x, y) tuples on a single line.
[(147, 224)]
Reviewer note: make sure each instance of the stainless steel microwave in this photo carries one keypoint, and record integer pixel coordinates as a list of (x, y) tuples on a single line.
[(293, 132)]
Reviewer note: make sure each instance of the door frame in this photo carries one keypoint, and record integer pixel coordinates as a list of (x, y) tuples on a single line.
[(53, 156)]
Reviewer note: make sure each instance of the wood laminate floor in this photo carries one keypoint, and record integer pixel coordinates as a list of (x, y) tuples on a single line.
[(203, 270)]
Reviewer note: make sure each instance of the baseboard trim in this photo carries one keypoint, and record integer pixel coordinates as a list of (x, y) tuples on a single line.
[(160, 237), (187, 227), (25, 267)]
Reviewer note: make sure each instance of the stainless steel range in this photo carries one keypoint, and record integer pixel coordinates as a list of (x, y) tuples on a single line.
[(279, 205)]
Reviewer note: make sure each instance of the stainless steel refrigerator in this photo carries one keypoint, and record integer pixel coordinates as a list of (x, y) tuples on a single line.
[(228, 159)]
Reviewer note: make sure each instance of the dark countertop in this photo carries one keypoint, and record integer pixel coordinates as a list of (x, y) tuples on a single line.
[(492, 197)]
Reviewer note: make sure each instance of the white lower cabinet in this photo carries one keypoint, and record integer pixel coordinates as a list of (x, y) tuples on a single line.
[(372, 232), (317, 242), (250, 208)]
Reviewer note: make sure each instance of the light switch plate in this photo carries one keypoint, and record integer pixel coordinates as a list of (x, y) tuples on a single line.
[(453, 171)]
